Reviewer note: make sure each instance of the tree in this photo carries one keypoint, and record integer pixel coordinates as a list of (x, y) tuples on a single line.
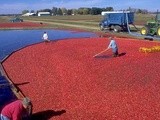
[(86, 11), (44, 10), (83, 11), (95, 11), (109, 9), (32, 11), (80, 11), (74, 11), (59, 11), (25, 11), (64, 11), (132, 9), (142, 11), (69, 12), (54, 10)]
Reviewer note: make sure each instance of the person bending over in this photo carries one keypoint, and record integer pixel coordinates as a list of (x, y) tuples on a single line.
[(17, 110), (113, 45)]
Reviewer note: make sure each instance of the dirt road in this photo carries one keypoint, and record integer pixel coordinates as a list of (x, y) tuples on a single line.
[(67, 25)]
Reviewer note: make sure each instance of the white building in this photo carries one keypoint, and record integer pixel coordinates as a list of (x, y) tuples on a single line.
[(44, 13)]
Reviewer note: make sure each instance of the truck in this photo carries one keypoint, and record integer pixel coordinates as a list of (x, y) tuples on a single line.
[(152, 27), (116, 20), (16, 19)]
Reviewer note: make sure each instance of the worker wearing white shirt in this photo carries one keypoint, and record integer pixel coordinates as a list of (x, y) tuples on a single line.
[(113, 46), (45, 37)]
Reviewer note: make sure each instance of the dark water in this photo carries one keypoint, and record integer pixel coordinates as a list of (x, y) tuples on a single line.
[(6, 94), (12, 40)]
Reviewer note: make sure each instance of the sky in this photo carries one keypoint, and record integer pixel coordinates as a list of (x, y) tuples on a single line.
[(17, 6)]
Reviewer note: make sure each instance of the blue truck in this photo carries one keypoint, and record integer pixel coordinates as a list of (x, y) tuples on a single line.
[(116, 20)]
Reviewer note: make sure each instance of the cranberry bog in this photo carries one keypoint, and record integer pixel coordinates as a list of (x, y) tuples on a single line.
[(17, 25), (65, 81)]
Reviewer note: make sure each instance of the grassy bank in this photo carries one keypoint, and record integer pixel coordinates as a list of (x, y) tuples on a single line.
[(79, 22), (90, 21)]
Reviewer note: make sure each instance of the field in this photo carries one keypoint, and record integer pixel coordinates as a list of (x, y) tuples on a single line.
[(21, 25), (65, 82), (76, 22), (83, 22)]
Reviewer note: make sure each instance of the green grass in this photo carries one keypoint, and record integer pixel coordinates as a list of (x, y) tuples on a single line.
[(143, 18), (82, 22), (92, 19), (89, 20), (4, 19)]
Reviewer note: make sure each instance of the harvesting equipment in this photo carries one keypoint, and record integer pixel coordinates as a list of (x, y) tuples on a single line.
[(152, 27), (16, 19), (117, 20)]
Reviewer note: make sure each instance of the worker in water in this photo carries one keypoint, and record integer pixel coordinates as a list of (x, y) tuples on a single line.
[(17, 110), (113, 45), (45, 37)]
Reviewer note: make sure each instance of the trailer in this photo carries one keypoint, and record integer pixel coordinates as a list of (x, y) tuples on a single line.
[(116, 20), (122, 20)]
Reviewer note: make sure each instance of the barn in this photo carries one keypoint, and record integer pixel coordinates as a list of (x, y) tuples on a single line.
[(44, 13)]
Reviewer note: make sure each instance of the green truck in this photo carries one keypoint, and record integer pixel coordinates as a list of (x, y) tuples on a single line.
[(16, 19), (152, 27)]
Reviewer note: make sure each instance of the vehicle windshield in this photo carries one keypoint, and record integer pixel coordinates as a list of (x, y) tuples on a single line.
[(105, 17)]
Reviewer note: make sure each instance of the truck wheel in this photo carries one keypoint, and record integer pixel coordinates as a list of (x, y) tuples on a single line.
[(158, 31), (116, 28), (144, 30), (101, 27)]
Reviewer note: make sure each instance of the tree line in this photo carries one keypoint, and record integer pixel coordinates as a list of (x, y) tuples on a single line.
[(64, 11), (82, 11)]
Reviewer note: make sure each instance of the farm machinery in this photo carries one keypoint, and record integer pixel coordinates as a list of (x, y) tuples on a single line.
[(152, 27), (116, 20), (16, 19)]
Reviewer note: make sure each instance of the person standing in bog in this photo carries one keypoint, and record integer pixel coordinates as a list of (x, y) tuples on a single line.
[(45, 37)]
